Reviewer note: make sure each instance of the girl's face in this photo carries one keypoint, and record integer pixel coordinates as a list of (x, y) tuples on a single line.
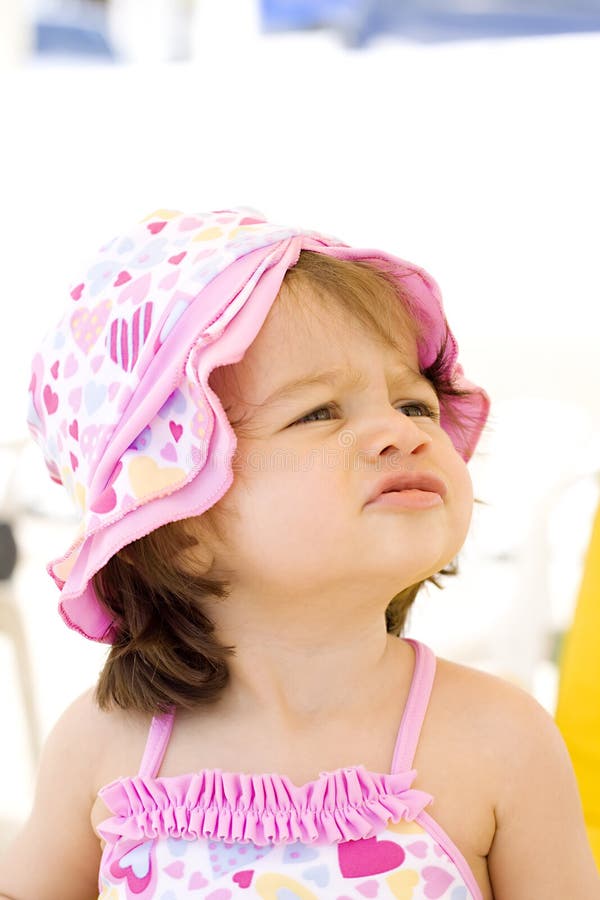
[(301, 525)]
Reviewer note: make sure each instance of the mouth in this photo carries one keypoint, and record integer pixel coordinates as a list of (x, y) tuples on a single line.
[(410, 483), (412, 499)]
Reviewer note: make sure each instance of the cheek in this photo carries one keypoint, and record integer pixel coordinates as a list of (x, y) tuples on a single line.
[(282, 472), (466, 483), (301, 493), (462, 495), (290, 499)]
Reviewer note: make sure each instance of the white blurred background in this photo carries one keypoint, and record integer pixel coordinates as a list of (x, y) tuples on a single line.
[(468, 147)]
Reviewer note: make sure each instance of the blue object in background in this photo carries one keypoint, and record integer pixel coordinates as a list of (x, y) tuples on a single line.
[(435, 21), (79, 29), (279, 15)]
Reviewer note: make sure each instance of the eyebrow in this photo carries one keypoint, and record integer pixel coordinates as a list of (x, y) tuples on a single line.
[(349, 376)]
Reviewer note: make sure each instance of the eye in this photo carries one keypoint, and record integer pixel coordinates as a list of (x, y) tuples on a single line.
[(309, 416), (429, 411), (426, 412)]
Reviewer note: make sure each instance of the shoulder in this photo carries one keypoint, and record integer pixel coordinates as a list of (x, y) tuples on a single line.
[(58, 826), (471, 723), (90, 742), (486, 690), (506, 720), (540, 846), (498, 710), (79, 737), (117, 738), (73, 737)]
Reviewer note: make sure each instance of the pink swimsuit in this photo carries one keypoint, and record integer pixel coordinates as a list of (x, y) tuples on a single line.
[(348, 835)]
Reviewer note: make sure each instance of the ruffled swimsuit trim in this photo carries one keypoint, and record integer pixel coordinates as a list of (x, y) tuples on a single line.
[(344, 805)]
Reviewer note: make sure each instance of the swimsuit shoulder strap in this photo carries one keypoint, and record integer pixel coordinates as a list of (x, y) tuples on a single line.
[(156, 744), (416, 706)]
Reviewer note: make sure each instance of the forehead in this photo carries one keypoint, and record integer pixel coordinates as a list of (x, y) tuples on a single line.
[(299, 341)]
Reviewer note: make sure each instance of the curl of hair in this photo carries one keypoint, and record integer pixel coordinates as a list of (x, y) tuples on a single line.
[(166, 651)]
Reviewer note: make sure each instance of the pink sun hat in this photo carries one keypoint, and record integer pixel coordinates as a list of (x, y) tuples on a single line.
[(119, 399)]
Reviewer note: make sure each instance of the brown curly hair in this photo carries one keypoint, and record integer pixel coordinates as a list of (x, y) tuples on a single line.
[(166, 652)]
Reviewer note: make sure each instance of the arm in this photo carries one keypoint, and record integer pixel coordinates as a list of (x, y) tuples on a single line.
[(540, 849), (57, 853)]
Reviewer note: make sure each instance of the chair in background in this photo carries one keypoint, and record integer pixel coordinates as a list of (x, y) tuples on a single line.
[(11, 619)]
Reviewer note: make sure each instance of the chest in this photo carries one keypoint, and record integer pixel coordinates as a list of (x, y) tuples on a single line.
[(454, 775)]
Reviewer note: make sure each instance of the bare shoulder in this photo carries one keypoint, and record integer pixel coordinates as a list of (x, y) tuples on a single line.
[(102, 738), (58, 827), (540, 847), (462, 749), (487, 692), (77, 728), (506, 722), (119, 737), (487, 706)]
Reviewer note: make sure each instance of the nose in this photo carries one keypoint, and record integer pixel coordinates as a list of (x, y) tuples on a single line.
[(389, 431)]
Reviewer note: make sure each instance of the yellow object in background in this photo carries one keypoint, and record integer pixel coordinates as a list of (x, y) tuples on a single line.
[(578, 706)]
